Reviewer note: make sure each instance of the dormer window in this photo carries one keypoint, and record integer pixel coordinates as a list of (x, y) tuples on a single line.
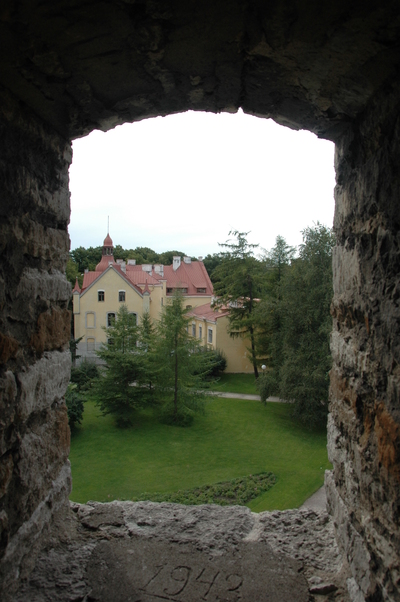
[(201, 290)]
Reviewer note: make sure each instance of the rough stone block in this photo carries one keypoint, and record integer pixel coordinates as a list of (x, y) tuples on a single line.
[(43, 383)]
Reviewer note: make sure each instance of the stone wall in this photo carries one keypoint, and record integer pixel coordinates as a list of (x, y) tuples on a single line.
[(335, 71), (364, 424), (35, 329)]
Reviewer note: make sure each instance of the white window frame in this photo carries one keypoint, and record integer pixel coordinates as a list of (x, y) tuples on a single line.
[(210, 336)]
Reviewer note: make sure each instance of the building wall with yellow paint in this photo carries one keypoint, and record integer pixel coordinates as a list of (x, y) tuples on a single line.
[(214, 334)]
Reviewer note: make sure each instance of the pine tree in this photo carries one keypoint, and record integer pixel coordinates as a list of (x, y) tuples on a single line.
[(182, 367), (239, 281), (118, 390)]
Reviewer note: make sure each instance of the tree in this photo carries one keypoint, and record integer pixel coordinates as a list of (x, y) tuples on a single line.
[(239, 281), (182, 371), (118, 390), (147, 346), (72, 272), (268, 312), (300, 372)]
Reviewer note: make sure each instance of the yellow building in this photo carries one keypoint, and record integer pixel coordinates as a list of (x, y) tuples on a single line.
[(210, 326), (142, 288), (146, 288)]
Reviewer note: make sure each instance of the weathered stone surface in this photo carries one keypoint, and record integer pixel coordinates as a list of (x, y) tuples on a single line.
[(44, 383), (68, 68), (146, 551)]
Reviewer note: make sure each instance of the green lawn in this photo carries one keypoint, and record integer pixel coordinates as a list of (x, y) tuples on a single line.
[(236, 383), (235, 438)]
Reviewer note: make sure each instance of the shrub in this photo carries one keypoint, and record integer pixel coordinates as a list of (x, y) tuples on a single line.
[(227, 493), (75, 406), (82, 375)]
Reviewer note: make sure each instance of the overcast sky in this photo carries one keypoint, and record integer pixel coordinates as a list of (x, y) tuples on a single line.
[(184, 181)]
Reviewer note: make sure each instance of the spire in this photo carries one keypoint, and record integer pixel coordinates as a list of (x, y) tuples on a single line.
[(77, 288)]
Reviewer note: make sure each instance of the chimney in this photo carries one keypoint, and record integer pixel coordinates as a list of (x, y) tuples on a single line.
[(131, 261), (187, 260), (159, 269), (146, 267), (176, 262)]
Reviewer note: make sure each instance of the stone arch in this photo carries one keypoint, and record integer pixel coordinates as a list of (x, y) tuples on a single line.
[(333, 69)]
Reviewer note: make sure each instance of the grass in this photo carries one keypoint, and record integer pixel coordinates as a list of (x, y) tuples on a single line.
[(234, 439), (236, 383)]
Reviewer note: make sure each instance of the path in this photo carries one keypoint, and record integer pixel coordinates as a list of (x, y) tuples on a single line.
[(245, 396)]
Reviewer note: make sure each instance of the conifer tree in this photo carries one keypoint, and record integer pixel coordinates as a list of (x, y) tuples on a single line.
[(182, 366), (238, 285)]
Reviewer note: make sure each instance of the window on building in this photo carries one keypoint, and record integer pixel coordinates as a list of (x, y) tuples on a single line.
[(210, 335), (100, 295), (110, 319), (90, 319), (201, 290), (193, 330), (90, 345), (200, 332), (121, 296), (170, 290), (133, 318), (188, 307)]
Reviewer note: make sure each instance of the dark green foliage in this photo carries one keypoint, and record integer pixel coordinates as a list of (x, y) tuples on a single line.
[(75, 406), (73, 347), (182, 367), (228, 493), (296, 327), (81, 258), (239, 280), (83, 375), (86, 259), (211, 262), (118, 390), (218, 362), (72, 272)]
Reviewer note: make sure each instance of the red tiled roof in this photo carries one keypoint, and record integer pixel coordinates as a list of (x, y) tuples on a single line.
[(76, 288), (137, 275), (107, 241), (189, 275), (90, 277), (105, 262), (206, 312)]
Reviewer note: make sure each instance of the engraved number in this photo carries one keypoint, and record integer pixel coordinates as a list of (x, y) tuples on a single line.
[(210, 583), (180, 574)]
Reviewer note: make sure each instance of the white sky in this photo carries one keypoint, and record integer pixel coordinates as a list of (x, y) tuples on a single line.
[(184, 181)]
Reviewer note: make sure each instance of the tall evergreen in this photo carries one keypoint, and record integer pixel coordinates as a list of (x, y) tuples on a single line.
[(238, 285)]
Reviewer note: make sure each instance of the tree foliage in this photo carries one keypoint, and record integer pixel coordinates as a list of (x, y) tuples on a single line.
[(299, 328), (183, 368), (239, 280), (118, 390)]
